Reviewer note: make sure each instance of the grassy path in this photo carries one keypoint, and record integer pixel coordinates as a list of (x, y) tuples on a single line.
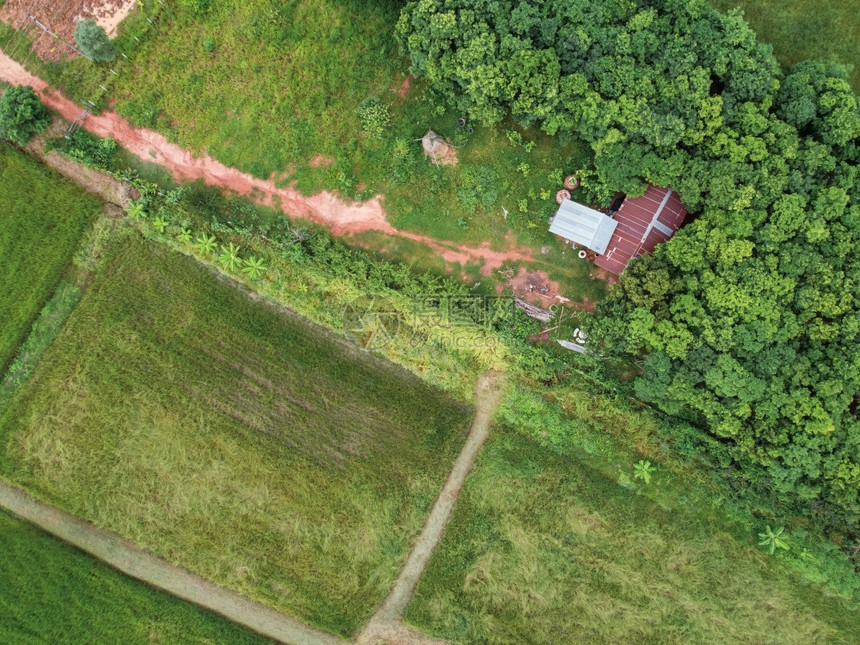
[(131, 560), (385, 625)]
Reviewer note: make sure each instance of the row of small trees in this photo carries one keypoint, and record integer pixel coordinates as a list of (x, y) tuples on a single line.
[(747, 323)]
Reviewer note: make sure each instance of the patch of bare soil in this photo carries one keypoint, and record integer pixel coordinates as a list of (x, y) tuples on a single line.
[(534, 287), (394, 633), (404, 86), (321, 160), (585, 305), (607, 276), (61, 18)]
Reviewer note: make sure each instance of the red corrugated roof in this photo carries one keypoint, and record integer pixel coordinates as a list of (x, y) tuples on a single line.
[(640, 220)]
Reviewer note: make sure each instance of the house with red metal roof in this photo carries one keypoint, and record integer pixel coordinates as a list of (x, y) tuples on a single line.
[(641, 223)]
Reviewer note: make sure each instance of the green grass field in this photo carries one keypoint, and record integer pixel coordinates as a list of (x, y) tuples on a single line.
[(42, 219), (230, 438), (542, 549), (53, 593), (820, 29), (274, 89)]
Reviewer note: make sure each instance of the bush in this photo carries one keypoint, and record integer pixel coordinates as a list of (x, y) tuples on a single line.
[(375, 117), (94, 42), (22, 115), (86, 148)]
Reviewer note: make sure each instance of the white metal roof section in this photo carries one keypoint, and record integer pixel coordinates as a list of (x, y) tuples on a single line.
[(583, 225)]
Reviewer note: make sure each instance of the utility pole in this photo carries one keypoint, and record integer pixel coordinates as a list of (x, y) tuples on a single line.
[(77, 123), (56, 36)]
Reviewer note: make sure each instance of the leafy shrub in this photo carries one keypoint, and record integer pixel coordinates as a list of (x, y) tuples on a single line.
[(402, 161), (86, 148), (94, 42), (479, 186), (375, 117), (22, 115)]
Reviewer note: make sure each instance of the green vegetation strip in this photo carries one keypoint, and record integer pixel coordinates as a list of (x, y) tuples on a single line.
[(232, 439), (541, 549), (53, 593), (42, 219)]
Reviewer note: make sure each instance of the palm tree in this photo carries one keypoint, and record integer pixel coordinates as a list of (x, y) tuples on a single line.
[(254, 268), (229, 257), (184, 236), (206, 244)]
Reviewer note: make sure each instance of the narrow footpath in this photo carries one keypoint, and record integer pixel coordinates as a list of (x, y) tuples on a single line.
[(386, 626), (133, 561), (325, 208)]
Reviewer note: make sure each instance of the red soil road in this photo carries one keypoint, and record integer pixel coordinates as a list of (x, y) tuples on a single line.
[(339, 216)]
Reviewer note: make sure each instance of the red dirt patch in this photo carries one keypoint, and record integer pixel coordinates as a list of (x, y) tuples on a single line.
[(607, 276), (61, 17), (404, 87), (534, 287), (321, 160)]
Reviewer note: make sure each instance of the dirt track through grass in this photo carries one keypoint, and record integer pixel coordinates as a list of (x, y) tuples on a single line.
[(325, 208), (488, 393), (135, 562), (231, 439)]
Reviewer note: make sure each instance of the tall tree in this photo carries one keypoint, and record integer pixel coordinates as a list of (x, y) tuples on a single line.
[(22, 114)]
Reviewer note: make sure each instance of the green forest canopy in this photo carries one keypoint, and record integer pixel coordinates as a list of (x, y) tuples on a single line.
[(748, 319)]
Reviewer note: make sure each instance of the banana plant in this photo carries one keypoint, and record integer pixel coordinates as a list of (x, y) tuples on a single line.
[(254, 268), (206, 244), (773, 539), (137, 210), (161, 223), (229, 257), (643, 469), (184, 236)]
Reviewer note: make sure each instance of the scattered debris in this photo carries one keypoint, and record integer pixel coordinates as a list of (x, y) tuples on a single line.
[(533, 311)]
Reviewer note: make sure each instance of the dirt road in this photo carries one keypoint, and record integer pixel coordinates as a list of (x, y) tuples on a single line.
[(339, 216), (133, 561), (385, 626)]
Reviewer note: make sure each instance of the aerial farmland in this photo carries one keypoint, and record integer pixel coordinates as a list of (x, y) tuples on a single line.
[(429, 321)]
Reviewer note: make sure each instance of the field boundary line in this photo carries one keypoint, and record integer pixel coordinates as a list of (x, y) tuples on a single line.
[(386, 622), (137, 563)]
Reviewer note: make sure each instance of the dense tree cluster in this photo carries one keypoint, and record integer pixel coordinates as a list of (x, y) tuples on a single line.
[(749, 319), (22, 114)]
